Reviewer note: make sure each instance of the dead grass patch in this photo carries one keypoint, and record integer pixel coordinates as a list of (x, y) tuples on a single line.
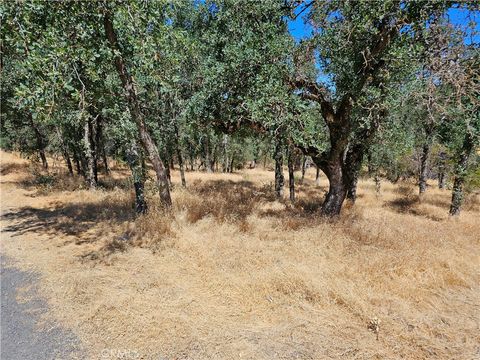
[(262, 280)]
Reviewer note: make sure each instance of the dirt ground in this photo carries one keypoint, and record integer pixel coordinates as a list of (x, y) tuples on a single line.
[(234, 273)]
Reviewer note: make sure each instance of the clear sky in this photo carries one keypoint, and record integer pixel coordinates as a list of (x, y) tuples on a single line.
[(300, 30)]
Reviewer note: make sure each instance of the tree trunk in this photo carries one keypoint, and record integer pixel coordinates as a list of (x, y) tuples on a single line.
[(100, 144), (279, 179), (460, 174), (422, 183), (304, 169), (167, 171), (291, 178), (90, 176), (225, 153), (77, 163), (206, 149), (179, 156), (337, 191), (317, 176), (214, 159), (442, 157), (232, 162), (133, 157), (68, 162), (93, 149), (40, 143), (137, 115), (354, 169), (352, 189), (66, 156), (378, 183)]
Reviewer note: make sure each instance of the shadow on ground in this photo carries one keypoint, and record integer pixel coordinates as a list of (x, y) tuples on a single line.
[(73, 219)]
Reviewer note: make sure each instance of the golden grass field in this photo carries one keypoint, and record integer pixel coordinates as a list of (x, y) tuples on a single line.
[(235, 274)]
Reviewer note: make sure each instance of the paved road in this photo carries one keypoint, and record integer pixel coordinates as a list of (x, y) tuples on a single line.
[(24, 334)]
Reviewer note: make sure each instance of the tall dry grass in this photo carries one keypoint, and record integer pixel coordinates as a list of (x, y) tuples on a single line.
[(233, 273)]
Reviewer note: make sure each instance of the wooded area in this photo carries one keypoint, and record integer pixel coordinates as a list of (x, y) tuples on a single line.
[(240, 179), (392, 87)]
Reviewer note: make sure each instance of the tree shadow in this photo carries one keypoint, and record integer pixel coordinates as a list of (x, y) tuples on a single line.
[(73, 219), (9, 168)]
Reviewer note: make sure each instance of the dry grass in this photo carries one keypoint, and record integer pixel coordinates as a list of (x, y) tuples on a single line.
[(235, 274)]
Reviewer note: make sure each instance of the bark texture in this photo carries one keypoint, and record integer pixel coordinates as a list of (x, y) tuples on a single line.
[(460, 174), (279, 178)]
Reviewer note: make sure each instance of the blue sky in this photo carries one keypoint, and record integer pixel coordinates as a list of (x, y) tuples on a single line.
[(300, 30)]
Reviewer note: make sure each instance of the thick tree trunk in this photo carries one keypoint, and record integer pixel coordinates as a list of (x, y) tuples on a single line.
[(90, 174), (352, 186), (291, 177), (422, 181), (460, 174), (133, 157), (337, 191), (279, 179), (137, 115)]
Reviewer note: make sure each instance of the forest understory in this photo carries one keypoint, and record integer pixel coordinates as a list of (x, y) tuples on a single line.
[(234, 273)]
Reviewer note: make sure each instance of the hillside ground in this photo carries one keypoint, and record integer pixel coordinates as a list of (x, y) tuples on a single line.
[(233, 273)]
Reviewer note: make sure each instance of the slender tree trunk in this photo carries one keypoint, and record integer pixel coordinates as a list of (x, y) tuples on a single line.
[(66, 156), (100, 144), (167, 171), (93, 149), (460, 174), (90, 175), (378, 183), (105, 160), (317, 176), (180, 157), (214, 159), (77, 163), (133, 157), (442, 157), (279, 179), (192, 162), (232, 162), (137, 115), (225, 153), (304, 168), (291, 177), (68, 162), (206, 145), (422, 183)]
